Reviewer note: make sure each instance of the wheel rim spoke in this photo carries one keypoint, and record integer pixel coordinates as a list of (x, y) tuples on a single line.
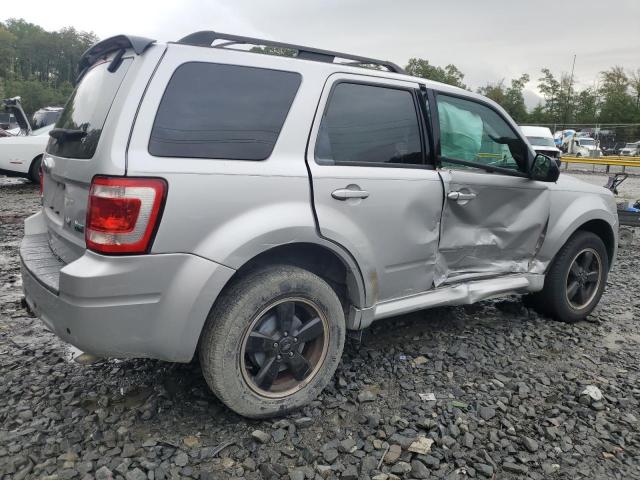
[(299, 366), (593, 276), (576, 270), (268, 373), (581, 295), (258, 342), (572, 289), (587, 258), (285, 312), (310, 330)]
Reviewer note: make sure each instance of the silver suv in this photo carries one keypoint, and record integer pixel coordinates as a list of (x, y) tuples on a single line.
[(252, 208)]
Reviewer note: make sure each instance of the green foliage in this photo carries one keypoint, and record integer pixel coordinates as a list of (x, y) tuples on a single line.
[(510, 98), (617, 103), (450, 74), (37, 65)]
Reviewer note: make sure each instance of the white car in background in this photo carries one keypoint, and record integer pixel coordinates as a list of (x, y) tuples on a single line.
[(541, 139), (631, 149), (21, 155)]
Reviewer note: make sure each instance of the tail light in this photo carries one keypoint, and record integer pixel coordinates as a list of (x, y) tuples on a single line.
[(123, 214)]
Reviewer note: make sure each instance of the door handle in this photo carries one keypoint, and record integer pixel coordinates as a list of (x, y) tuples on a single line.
[(346, 193), (461, 196)]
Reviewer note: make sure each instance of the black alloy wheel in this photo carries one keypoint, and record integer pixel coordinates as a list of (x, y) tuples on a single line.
[(284, 347)]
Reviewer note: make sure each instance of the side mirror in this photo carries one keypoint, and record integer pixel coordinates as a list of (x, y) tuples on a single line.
[(544, 169)]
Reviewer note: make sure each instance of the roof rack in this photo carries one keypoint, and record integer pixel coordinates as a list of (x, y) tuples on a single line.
[(206, 38)]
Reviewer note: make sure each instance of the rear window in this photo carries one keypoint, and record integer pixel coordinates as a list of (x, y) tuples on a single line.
[(87, 110), (222, 111)]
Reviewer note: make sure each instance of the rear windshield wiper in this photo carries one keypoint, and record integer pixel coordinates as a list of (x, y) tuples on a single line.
[(62, 134)]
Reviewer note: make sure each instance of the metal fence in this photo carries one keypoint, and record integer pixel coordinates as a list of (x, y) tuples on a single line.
[(608, 161)]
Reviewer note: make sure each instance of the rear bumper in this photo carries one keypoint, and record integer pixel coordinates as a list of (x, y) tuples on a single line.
[(151, 306)]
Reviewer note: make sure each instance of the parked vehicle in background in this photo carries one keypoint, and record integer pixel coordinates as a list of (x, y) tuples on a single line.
[(612, 149), (45, 116), (631, 149), (7, 121), (21, 155), (561, 137), (542, 141), (21, 152), (162, 240), (13, 106), (582, 147), (41, 118)]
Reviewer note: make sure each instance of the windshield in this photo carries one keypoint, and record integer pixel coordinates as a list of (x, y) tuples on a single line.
[(631, 145), (541, 141), (87, 110), (587, 142), (6, 119), (43, 118)]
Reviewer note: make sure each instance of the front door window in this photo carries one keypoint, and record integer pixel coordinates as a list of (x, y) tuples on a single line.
[(476, 134)]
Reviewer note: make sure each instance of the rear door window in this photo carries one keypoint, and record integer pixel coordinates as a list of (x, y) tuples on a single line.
[(369, 125), (87, 110), (222, 111)]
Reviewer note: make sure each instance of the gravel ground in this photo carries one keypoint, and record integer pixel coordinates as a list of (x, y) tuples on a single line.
[(486, 391)]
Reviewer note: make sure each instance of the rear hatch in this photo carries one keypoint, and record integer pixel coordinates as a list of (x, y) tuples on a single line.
[(82, 146)]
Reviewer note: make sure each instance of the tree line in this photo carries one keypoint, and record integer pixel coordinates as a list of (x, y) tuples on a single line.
[(41, 66), (38, 65), (615, 98)]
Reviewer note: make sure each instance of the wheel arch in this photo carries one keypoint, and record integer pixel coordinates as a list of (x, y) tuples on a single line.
[(603, 230), (341, 272), (330, 264), (571, 213)]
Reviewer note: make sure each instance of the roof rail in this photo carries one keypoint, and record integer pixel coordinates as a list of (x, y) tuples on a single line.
[(206, 38)]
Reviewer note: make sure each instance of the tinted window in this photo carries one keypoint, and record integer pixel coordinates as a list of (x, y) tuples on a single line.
[(222, 111), (369, 124), (87, 110), (43, 118), (475, 133)]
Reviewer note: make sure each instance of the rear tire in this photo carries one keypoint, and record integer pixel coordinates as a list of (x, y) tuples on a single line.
[(575, 281), (272, 341), (34, 169)]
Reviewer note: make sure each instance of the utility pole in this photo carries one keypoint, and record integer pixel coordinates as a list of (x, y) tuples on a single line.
[(566, 107)]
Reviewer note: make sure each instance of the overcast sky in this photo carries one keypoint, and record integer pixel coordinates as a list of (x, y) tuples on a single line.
[(487, 39)]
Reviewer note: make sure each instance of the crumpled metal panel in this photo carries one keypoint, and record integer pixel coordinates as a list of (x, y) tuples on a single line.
[(498, 232)]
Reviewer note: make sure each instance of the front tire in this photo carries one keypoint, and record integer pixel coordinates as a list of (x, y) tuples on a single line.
[(273, 341), (576, 279)]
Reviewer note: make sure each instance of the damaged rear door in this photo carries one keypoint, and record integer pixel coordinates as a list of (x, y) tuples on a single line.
[(494, 217)]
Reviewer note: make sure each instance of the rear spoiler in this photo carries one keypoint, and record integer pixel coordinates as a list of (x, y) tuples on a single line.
[(13, 105), (111, 44)]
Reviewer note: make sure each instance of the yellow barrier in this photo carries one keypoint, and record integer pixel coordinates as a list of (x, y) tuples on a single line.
[(617, 161)]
